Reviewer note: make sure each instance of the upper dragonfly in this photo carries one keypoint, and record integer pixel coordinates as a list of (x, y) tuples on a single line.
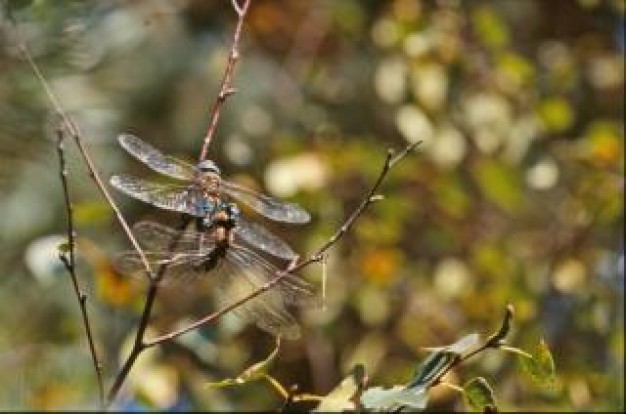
[(219, 254), (201, 192)]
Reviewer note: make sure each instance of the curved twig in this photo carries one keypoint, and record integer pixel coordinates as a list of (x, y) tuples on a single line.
[(226, 89), (296, 265), (69, 261)]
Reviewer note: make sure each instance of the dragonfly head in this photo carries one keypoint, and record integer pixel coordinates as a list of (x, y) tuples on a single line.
[(208, 167)]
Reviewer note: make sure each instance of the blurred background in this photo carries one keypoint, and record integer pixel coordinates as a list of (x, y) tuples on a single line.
[(515, 196)]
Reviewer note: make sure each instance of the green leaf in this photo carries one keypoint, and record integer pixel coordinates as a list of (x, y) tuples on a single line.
[(500, 184), (63, 248), (432, 367), (341, 398), (479, 395), (253, 372), (397, 397), (541, 366), (557, 114), (490, 28), (459, 347)]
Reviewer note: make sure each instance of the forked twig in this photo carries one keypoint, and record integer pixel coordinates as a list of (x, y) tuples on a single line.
[(139, 344), (68, 258), (226, 89), (296, 265)]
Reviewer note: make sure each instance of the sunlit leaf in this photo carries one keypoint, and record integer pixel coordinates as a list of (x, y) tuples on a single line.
[(380, 399), (490, 28), (461, 346), (499, 183), (253, 372), (541, 366), (604, 142), (341, 398), (557, 114), (432, 367), (451, 196), (517, 70), (478, 395)]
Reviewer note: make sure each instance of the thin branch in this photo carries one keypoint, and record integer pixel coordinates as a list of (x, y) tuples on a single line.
[(226, 89), (69, 261), (296, 265), (76, 134), (139, 345), (495, 341), (73, 130)]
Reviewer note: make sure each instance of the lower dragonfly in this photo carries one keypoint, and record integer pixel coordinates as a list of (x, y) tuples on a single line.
[(200, 191), (220, 253)]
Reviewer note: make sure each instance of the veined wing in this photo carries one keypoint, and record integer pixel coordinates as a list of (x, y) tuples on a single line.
[(155, 159), (293, 290), (180, 267), (267, 311), (265, 205), (261, 238), (155, 236), (181, 198)]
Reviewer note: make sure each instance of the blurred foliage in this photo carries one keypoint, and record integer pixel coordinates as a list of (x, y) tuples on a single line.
[(515, 196)]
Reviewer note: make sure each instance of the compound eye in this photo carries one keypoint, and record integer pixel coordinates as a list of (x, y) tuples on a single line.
[(208, 166)]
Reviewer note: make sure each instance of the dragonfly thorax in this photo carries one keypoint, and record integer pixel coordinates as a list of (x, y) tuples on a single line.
[(225, 216), (208, 167)]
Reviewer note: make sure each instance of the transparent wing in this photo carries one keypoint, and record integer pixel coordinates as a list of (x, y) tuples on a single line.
[(155, 159), (187, 199), (155, 236), (267, 310), (181, 268), (293, 290), (243, 272), (259, 237), (267, 206)]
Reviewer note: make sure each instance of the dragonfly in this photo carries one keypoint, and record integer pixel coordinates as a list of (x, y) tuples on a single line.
[(220, 253), (200, 193)]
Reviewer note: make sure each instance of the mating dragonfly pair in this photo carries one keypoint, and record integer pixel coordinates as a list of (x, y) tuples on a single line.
[(221, 247)]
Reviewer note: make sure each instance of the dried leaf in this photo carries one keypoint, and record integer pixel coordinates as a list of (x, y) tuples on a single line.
[(341, 398)]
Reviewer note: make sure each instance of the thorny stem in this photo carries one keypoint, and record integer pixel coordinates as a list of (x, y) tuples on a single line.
[(226, 89), (69, 261), (296, 265)]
